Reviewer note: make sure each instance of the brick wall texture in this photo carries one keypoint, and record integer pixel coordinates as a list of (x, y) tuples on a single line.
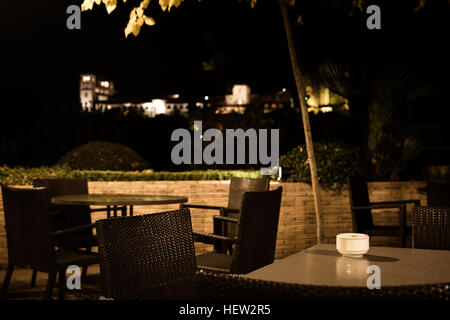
[(296, 228)]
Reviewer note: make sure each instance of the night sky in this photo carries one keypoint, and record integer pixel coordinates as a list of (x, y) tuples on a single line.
[(42, 60)]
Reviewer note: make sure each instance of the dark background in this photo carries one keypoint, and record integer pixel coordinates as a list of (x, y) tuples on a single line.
[(41, 62)]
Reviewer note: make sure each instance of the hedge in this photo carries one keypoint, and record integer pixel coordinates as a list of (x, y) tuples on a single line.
[(25, 176)]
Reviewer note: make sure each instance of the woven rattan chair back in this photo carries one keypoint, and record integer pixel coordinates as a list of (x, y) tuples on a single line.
[(28, 228), (359, 197), (219, 287), (147, 257), (240, 185), (257, 233), (431, 228)]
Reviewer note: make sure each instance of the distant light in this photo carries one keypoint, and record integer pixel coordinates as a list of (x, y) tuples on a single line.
[(206, 98), (326, 109), (104, 84), (175, 96), (108, 107), (159, 105), (284, 90), (86, 78)]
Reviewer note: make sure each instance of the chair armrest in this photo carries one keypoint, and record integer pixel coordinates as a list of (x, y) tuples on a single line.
[(225, 219), (211, 238), (417, 202), (200, 206), (72, 230)]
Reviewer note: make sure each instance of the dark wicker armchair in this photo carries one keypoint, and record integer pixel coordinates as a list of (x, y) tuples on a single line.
[(64, 217), (256, 239), (147, 257), (237, 187), (219, 287), (31, 242), (361, 209), (431, 228)]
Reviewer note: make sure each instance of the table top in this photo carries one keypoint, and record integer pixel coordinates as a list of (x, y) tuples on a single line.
[(323, 265), (117, 199)]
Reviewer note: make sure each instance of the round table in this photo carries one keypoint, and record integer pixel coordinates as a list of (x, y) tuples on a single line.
[(115, 200)]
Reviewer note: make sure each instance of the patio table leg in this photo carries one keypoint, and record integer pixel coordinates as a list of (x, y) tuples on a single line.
[(108, 211)]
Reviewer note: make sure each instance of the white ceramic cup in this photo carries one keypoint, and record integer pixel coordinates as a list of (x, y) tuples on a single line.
[(352, 244)]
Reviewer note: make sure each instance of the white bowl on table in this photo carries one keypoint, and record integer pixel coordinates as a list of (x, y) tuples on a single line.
[(352, 244)]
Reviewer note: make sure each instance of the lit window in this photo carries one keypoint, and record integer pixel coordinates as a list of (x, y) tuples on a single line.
[(104, 84), (86, 78)]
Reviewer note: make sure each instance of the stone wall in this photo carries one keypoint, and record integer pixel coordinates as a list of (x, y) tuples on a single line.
[(296, 230)]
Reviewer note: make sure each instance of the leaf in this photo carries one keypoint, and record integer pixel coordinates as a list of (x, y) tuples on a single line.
[(167, 4), (133, 27), (149, 21), (87, 5), (110, 5), (144, 4)]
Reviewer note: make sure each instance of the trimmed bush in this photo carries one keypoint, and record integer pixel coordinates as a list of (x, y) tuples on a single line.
[(25, 176), (335, 162), (103, 156)]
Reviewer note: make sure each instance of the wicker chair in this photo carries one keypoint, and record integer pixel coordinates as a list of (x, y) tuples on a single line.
[(147, 257), (31, 242), (361, 209), (64, 217), (219, 287), (431, 228), (255, 243), (237, 187)]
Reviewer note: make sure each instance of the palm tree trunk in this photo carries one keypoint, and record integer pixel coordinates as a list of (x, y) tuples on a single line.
[(305, 118)]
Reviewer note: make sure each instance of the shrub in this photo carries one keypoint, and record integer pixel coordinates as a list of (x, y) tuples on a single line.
[(335, 162), (103, 156)]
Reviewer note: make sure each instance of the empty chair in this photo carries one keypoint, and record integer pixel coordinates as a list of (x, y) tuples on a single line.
[(64, 217), (431, 228), (147, 257), (31, 242), (256, 239), (361, 209), (237, 187)]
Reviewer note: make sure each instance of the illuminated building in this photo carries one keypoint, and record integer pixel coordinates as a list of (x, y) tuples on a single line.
[(93, 89)]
